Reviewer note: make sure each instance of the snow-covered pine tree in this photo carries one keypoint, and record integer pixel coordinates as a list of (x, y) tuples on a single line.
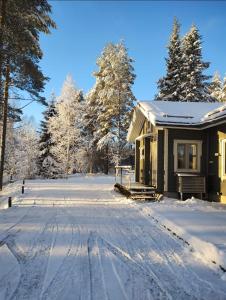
[(89, 131), (215, 87), (194, 83), (47, 163), (114, 81), (170, 85), (223, 91), (65, 126)]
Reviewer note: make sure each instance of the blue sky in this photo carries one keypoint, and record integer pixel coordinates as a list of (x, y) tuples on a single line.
[(84, 28)]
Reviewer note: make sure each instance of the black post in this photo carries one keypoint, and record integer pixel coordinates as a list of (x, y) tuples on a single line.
[(23, 181), (22, 190), (10, 202)]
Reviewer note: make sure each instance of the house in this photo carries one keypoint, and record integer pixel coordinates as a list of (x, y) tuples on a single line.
[(180, 140)]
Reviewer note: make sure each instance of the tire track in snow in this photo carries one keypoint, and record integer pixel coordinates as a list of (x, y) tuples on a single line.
[(9, 240), (173, 271), (67, 280), (106, 281), (32, 264), (199, 286), (8, 231)]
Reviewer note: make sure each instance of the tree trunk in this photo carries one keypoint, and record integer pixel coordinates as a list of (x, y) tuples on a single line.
[(106, 167), (119, 128), (4, 125), (67, 162), (2, 24)]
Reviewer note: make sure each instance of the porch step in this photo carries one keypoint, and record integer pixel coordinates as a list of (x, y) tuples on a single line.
[(138, 193), (142, 192), (143, 197)]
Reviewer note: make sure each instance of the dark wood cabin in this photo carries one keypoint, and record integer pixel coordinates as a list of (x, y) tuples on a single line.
[(181, 145)]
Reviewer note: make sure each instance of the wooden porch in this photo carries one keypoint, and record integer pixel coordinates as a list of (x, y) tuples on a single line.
[(125, 184), (138, 191)]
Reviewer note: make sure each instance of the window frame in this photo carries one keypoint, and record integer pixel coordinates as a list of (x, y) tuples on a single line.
[(198, 155)]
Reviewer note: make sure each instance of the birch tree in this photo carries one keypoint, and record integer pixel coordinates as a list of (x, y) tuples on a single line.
[(25, 150), (64, 126)]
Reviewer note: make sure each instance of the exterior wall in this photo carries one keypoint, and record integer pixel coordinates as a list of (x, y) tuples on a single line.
[(153, 139), (183, 134), (137, 161), (160, 164), (143, 169), (210, 159), (216, 185)]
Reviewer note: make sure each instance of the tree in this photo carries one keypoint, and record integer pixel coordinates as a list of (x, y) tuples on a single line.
[(114, 81), (223, 92), (215, 87), (64, 126), (170, 85), (47, 163), (10, 157), (20, 25), (89, 132), (25, 151), (194, 83)]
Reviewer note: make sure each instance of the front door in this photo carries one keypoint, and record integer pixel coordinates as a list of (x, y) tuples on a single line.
[(222, 166)]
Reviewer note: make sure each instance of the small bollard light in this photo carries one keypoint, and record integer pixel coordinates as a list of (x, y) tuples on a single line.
[(10, 202), (23, 181), (22, 190)]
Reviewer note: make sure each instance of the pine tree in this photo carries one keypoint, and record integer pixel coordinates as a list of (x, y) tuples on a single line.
[(170, 86), (89, 131), (215, 87), (65, 126), (223, 91), (47, 163), (114, 81), (194, 83), (21, 23)]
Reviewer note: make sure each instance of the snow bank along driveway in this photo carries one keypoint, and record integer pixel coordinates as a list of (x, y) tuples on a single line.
[(76, 239)]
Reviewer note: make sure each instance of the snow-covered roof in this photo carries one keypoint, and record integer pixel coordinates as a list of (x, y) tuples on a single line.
[(175, 113)]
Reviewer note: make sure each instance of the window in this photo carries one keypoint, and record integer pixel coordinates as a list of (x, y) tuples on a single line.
[(187, 155), (224, 159)]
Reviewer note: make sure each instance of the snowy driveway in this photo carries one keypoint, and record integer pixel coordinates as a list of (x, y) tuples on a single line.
[(76, 239)]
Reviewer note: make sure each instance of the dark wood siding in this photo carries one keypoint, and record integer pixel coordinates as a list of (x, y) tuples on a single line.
[(137, 161), (183, 134), (160, 165), (147, 167), (215, 185)]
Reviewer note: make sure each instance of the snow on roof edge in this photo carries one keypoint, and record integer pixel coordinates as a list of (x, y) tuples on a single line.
[(196, 113)]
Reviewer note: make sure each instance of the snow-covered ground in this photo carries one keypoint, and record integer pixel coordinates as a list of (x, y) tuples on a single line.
[(202, 224), (77, 239)]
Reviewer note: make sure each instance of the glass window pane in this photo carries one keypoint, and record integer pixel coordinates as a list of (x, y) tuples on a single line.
[(193, 149), (181, 164), (192, 156)]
